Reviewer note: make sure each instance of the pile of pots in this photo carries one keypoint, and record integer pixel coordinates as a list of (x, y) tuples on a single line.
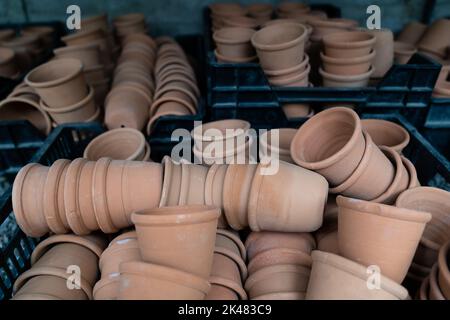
[(176, 90), (129, 24), (233, 45), (128, 102), (347, 59)]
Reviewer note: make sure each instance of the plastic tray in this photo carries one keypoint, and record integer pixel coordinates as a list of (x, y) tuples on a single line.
[(439, 113)]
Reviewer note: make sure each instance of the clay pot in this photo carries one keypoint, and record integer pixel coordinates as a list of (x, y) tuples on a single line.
[(106, 288), (8, 66), (297, 110), (26, 107), (81, 111), (88, 54), (336, 278), (334, 153), (230, 245), (219, 292), (280, 46), (386, 133), (362, 229), (225, 272), (214, 190), (278, 278), (101, 89), (191, 250), (384, 47), (279, 256), (239, 22), (170, 193), (117, 144), (412, 32), (244, 153), (262, 12), (286, 8), (236, 192), (280, 148), (258, 242), (95, 74), (59, 83), (434, 39), (192, 188), (444, 273), (346, 81), (175, 94), (403, 52), (412, 173), (350, 44), (26, 49), (293, 184), (130, 23), (323, 27), (347, 66), (121, 251), (371, 178), (297, 80), (145, 281)]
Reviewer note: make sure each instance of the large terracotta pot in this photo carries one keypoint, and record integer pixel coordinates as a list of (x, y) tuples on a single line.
[(234, 42), (386, 133), (296, 185), (334, 153), (145, 281), (336, 278), (350, 44), (191, 250), (434, 39), (362, 231)]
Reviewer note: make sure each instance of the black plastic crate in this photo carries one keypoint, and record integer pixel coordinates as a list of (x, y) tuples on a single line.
[(439, 138), (439, 113)]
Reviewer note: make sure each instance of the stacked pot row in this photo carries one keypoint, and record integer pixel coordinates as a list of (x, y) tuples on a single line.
[(437, 285), (129, 24), (279, 265), (347, 156), (128, 102), (63, 91), (83, 196), (347, 59), (63, 267), (176, 91)]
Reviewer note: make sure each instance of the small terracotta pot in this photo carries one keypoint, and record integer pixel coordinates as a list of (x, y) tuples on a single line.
[(278, 278), (106, 289), (279, 148), (84, 36), (191, 250), (297, 110), (214, 190), (444, 273), (347, 66), (170, 193), (219, 292), (412, 32), (297, 80), (386, 133), (88, 54), (362, 226), (59, 83), (192, 187), (279, 256), (323, 27), (334, 154), (222, 59), (350, 44), (349, 81), (280, 46), (117, 144), (8, 66), (403, 52), (384, 47), (145, 281), (336, 278), (434, 39), (121, 251), (225, 272), (236, 192)]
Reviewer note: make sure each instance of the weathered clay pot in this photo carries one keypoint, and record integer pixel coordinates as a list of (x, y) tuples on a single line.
[(403, 52), (386, 133), (145, 281), (170, 193), (219, 292), (412, 32), (347, 66), (362, 229), (434, 39), (277, 278), (106, 288), (371, 178), (276, 143), (59, 83), (280, 46), (191, 250), (236, 192), (225, 272), (349, 81), (334, 153), (192, 187), (444, 273), (293, 184), (336, 278), (384, 47), (8, 66), (117, 144), (350, 44), (214, 190), (279, 256)]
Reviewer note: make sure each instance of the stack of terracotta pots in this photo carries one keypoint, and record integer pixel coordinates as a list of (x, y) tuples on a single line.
[(347, 156), (123, 248), (8, 65), (442, 86), (128, 103), (128, 24), (279, 265), (63, 267), (172, 267), (83, 196), (276, 144), (435, 40), (347, 59), (63, 91), (224, 141), (176, 91), (233, 45), (229, 270), (262, 12), (118, 144), (23, 104), (437, 232), (222, 11)]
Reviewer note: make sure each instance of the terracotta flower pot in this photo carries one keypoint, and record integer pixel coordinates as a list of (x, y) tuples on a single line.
[(362, 229), (214, 190), (434, 39), (386, 133), (192, 187), (26, 107), (295, 185), (170, 193), (59, 83), (336, 278), (117, 144), (278, 278), (444, 273), (371, 178), (225, 272), (191, 250), (323, 27), (384, 47), (279, 256), (8, 66), (412, 32), (219, 292), (80, 111), (240, 22), (145, 281), (347, 66), (403, 52), (297, 80), (349, 81), (222, 59), (334, 153), (350, 44), (88, 54), (106, 289), (280, 46), (180, 95), (243, 153)]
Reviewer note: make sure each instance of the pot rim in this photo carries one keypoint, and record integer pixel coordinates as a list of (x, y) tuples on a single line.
[(240, 124), (338, 40), (444, 272), (103, 282), (347, 78), (160, 93), (227, 283), (175, 215), (70, 108), (218, 36), (348, 61), (167, 177), (236, 259), (162, 83), (235, 239), (383, 210), (158, 102), (209, 182), (384, 123), (77, 47), (295, 77), (75, 63), (278, 150), (233, 60), (282, 72), (413, 180), (359, 271), (296, 252), (434, 285), (284, 45)]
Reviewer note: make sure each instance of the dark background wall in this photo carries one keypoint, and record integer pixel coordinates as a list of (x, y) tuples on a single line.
[(185, 16)]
